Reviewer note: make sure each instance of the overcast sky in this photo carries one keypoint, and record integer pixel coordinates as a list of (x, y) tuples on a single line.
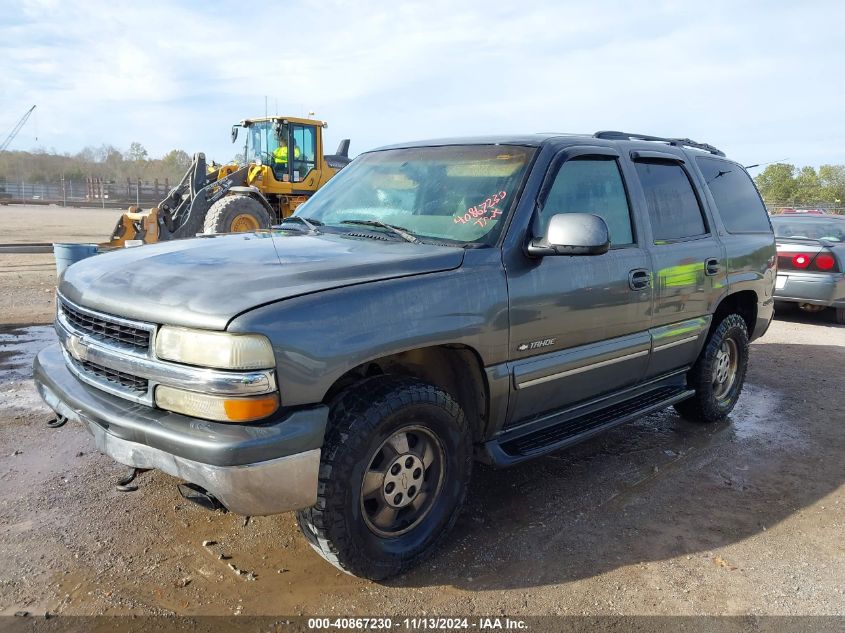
[(763, 81)]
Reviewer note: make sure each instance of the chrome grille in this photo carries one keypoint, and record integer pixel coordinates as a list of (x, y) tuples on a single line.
[(118, 378), (103, 329)]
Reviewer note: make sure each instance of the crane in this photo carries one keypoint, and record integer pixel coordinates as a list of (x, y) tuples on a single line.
[(16, 129)]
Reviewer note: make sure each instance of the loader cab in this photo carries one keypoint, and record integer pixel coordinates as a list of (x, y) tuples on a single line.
[(286, 184), (297, 139)]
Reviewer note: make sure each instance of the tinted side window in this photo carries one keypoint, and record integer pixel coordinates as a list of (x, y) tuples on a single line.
[(672, 204), (591, 185), (736, 197)]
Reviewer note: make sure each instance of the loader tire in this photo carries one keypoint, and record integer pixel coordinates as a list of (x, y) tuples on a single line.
[(236, 214)]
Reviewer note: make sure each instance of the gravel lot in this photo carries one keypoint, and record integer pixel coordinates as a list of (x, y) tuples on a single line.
[(657, 517), (27, 281)]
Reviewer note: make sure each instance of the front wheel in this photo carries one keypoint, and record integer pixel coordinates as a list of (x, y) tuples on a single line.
[(840, 316), (236, 214), (393, 477), (719, 372)]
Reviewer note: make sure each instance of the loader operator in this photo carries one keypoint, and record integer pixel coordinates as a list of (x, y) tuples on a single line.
[(280, 158)]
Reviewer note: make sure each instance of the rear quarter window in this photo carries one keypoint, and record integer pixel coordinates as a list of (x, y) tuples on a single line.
[(673, 206), (737, 200)]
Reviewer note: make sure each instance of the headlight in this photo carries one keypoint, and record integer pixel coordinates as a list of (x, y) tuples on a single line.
[(221, 408), (221, 350)]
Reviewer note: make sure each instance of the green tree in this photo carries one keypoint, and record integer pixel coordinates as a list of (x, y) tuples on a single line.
[(177, 158), (777, 182), (807, 186), (136, 152), (832, 180), (105, 162)]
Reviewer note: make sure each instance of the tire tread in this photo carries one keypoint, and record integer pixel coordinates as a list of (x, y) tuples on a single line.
[(702, 407), (216, 214), (354, 416)]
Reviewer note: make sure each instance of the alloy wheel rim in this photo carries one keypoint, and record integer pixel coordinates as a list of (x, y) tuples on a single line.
[(402, 481)]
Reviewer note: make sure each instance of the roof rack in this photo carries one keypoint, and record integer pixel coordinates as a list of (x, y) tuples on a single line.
[(677, 142)]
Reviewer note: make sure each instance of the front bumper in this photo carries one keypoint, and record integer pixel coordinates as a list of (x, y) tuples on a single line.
[(251, 469), (823, 289)]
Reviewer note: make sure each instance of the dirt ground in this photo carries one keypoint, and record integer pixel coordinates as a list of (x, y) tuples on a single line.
[(28, 281), (660, 516)]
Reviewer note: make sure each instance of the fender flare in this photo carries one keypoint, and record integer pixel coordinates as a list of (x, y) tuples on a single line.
[(253, 192)]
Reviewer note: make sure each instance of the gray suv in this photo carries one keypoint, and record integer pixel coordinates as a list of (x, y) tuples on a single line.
[(437, 303)]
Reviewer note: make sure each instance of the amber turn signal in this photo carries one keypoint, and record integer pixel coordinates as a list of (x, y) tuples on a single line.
[(247, 409), (220, 408)]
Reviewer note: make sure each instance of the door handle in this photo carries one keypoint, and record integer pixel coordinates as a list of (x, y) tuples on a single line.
[(639, 279), (711, 267)]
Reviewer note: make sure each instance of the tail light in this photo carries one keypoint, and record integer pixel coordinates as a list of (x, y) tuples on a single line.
[(823, 261), (801, 260)]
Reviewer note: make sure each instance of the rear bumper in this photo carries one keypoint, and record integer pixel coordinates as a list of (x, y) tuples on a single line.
[(252, 469), (824, 289)]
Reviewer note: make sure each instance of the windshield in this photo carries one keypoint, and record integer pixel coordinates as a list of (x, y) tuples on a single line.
[(831, 229), (261, 142), (460, 193)]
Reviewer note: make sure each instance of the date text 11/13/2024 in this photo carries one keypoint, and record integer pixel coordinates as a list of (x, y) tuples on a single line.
[(417, 624)]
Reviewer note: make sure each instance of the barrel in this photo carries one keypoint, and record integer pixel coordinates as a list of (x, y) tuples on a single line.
[(67, 254)]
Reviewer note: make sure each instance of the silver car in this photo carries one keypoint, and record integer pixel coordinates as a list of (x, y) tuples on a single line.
[(811, 262)]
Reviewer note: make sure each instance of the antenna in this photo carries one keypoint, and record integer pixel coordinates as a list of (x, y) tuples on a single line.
[(771, 162)]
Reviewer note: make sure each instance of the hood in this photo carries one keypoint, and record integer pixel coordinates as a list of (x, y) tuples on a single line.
[(205, 282)]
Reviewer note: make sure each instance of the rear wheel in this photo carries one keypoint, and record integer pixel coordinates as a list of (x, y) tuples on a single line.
[(840, 316), (236, 214), (719, 372), (393, 477)]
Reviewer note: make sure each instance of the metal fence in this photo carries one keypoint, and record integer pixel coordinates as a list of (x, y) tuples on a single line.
[(775, 208), (98, 192), (90, 191)]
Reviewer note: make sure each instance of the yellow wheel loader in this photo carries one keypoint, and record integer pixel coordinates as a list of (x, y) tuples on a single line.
[(285, 165)]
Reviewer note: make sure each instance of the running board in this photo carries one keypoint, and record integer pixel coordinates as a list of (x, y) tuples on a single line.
[(512, 448)]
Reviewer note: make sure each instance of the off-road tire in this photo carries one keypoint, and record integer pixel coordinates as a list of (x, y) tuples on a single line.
[(223, 212), (360, 420), (840, 316), (704, 406)]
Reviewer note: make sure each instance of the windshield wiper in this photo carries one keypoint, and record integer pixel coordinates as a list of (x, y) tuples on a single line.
[(311, 225), (401, 231)]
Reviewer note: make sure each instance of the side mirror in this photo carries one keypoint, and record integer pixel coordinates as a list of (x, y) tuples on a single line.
[(234, 133), (572, 234)]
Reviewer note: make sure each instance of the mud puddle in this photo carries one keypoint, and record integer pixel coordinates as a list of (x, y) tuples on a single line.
[(18, 347)]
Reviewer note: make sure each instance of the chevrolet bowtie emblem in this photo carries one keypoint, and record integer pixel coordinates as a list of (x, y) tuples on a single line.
[(77, 347)]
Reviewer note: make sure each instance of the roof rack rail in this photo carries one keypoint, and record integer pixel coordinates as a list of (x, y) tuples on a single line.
[(678, 142)]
